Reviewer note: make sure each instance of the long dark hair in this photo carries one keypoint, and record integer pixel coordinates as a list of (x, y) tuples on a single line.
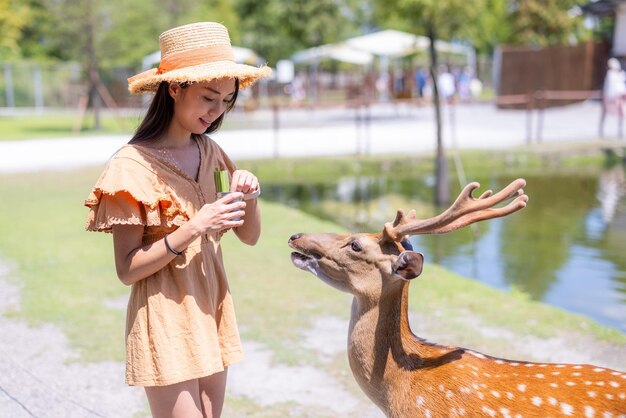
[(161, 111)]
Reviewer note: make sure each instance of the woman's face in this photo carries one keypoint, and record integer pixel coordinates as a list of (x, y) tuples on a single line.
[(198, 105)]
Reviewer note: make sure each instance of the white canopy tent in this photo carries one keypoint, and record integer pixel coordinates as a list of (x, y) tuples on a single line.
[(385, 44), (394, 43), (338, 52)]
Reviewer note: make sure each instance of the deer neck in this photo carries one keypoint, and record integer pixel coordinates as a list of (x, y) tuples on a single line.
[(381, 346)]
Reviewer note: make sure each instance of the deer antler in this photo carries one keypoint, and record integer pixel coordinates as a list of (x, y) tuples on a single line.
[(464, 211)]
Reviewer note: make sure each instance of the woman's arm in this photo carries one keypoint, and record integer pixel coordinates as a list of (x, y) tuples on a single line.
[(134, 261)]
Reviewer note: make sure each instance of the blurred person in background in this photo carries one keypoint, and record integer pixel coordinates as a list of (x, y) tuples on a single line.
[(614, 94)]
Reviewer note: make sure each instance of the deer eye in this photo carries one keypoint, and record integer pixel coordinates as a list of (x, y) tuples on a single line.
[(356, 246)]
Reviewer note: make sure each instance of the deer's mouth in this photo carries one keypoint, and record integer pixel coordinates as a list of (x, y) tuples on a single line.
[(304, 261)]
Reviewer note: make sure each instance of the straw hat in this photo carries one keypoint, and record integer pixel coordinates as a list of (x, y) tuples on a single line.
[(193, 53)]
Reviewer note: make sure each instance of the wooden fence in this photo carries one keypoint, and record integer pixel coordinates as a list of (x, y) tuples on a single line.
[(522, 71)]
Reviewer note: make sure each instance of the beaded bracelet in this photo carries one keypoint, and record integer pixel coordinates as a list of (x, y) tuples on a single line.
[(169, 248)]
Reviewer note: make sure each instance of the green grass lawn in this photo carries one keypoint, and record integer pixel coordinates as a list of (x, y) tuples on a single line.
[(49, 125), (68, 274)]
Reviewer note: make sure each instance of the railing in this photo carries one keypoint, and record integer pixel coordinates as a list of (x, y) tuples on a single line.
[(539, 100)]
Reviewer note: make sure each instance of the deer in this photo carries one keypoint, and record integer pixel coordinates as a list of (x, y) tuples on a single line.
[(407, 376)]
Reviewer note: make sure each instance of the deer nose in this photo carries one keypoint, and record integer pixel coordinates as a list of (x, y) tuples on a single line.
[(295, 237)]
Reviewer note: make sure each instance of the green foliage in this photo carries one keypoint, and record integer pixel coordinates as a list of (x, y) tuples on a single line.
[(544, 22), (447, 18), (278, 28), (13, 17)]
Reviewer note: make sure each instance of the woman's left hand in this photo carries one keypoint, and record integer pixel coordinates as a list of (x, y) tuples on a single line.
[(244, 181)]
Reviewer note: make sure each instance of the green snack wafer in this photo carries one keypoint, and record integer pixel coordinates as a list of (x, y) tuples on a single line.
[(222, 183)]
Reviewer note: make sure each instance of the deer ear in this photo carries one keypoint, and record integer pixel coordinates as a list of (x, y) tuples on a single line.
[(408, 265)]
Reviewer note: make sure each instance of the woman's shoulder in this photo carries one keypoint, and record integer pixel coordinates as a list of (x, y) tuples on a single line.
[(132, 156)]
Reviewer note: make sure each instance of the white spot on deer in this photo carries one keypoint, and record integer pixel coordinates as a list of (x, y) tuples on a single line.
[(489, 411), (567, 409), (622, 395), (578, 367), (570, 384), (420, 401), (607, 415), (521, 387), (599, 369), (589, 412), (536, 400), (623, 376), (461, 411), (499, 362), (475, 386), (505, 413), (475, 354), (514, 364), (560, 366), (480, 395), (487, 374), (465, 390), (475, 374), (600, 383), (529, 365), (591, 394), (609, 396), (576, 374), (543, 365), (449, 394), (588, 382), (554, 385), (495, 393), (615, 373), (427, 413), (460, 366), (556, 373), (614, 384), (552, 401), (539, 376), (441, 388), (509, 395)]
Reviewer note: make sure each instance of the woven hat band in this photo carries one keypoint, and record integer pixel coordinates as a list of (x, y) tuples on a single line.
[(196, 56)]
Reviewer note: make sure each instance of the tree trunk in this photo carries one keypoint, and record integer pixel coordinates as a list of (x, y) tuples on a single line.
[(92, 66), (96, 101), (442, 197)]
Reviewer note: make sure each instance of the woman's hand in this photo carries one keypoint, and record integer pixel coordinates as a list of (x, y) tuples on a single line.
[(221, 214), (244, 181)]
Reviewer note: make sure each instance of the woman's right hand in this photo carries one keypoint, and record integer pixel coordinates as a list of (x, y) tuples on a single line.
[(221, 214)]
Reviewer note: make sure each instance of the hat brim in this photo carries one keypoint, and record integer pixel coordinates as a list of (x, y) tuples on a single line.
[(149, 81)]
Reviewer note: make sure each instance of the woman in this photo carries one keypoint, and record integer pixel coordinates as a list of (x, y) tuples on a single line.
[(157, 196)]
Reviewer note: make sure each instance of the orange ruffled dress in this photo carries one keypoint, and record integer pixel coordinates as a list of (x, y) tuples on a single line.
[(180, 322)]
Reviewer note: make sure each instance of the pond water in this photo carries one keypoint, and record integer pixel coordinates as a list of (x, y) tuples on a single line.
[(566, 248)]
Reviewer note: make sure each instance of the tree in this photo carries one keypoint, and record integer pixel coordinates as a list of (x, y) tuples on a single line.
[(278, 28), (13, 18), (436, 19), (545, 22)]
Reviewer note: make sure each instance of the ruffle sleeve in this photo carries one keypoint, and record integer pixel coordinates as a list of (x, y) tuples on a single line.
[(129, 193)]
